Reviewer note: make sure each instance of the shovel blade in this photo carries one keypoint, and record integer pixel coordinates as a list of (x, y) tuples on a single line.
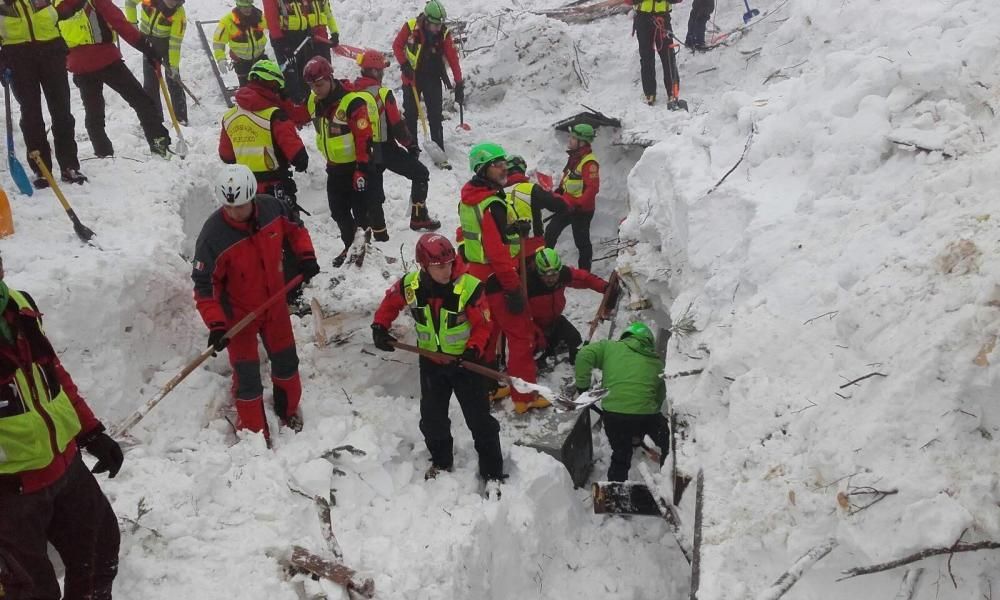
[(749, 15), (19, 176), (181, 149)]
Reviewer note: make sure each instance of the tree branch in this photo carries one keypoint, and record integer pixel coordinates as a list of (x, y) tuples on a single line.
[(987, 545)]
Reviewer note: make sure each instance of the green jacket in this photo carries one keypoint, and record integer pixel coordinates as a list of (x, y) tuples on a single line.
[(630, 371)]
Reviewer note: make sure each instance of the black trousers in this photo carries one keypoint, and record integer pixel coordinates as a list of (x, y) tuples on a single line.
[(400, 162), (437, 382), (40, 67), (701, 12), (242, 68), (117, 77), (653, 34), (561, 331), (74, 515), (152, 86), (348, 208), (430, 89), (580, 222), (292, 63), (621, 429)]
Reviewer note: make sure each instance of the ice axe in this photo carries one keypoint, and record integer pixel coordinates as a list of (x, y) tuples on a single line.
[(16, 168), (181, 148), (750, 13), (123, 427), (81, 230), (461, 116)]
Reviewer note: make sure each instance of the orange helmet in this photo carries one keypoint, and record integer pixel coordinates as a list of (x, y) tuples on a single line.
[(372, 59)]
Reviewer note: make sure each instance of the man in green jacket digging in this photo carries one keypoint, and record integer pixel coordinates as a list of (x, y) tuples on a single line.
[(630, 371)]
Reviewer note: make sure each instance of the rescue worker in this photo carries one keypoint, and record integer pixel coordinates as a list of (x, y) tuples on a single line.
[(547, 284), (47, 495), (490, 251), (243, 29), (631, 371), (421, 48), (345, 123), (298, 30), (267, 142), (34, 56), (163, 22), (651, 26), (581, 181), (527, 200), (451, 317), (95, 61), (237, 266), (701, 12), (394, 148)]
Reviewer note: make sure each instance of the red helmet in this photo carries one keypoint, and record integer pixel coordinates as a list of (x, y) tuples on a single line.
[(434, 249), (316, 69), (372, 59)]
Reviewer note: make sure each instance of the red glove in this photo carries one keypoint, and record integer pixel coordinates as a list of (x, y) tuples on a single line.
[(359, 180)]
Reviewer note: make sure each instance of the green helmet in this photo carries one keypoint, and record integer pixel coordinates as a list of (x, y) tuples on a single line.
[(244, 3), (583, 132), (516, 163), (485, 153), (435, 12), (267, 70), (639, 330), (547, 260)]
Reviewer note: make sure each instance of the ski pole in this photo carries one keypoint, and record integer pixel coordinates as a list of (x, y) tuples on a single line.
[(82, 232), (123, 427), (16, 168), (181, 148)]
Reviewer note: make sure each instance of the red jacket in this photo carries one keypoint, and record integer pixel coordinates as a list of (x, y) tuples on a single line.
[(94, 57), (288, 145), (432, 54), (397, 126), (272, 14), (237, 266), (434, 294), (591, 180), (547, 303), (499, 261), (31, 345)]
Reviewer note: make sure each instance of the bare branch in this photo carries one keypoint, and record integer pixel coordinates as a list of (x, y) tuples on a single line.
[(854, 381), (955, 549), (797, 570)]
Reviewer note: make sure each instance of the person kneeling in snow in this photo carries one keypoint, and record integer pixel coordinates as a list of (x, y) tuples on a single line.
[(547, 284), (237, 267), (452, 317), (46, 492), (631, 372)]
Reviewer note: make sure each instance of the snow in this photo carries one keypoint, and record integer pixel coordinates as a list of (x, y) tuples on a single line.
[(835, 249)]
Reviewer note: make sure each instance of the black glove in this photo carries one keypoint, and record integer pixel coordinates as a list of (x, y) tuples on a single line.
[(309, 268), (301, 162), (334, 39), (147, 49), (407, 71), (514, 301), (217, 339), (414, 151), (107, 452), (280, 47), (460, 92), (521, 228), (471, 354), (382, 338)]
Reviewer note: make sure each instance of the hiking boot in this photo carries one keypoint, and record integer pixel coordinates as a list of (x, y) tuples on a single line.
[(340, 258), (436, 470), (380, 235), (160, 147), (294, 422), (73, 176), (492, 486), (420, 219), (40, 183), (650, 99)]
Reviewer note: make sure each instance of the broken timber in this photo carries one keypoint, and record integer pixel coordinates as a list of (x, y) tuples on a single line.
[(796, 571), (576, 12), (300, 559)]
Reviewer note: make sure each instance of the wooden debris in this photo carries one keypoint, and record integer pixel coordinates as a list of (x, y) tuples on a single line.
[(302, 560), (797, 570), (954, 549)]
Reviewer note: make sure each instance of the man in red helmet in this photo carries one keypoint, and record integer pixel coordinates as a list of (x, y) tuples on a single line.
[(451, 316), (344, 121), (394, 148)]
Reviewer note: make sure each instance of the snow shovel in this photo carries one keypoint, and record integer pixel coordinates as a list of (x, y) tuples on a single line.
[(6, 217), (16, 168), (181, 148), (82, 231), (123, 427), (436, 152), (750, 13)]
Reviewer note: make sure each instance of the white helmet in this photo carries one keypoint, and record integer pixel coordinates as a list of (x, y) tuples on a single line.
[(236, 185)]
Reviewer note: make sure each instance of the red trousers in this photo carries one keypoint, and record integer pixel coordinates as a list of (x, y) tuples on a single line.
[(520, 334), (275, 329)]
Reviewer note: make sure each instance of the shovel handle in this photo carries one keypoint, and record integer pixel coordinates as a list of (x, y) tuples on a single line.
[(448, 358)]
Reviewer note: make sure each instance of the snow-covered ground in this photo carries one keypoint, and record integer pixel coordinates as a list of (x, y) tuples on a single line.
[(832, 251)]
